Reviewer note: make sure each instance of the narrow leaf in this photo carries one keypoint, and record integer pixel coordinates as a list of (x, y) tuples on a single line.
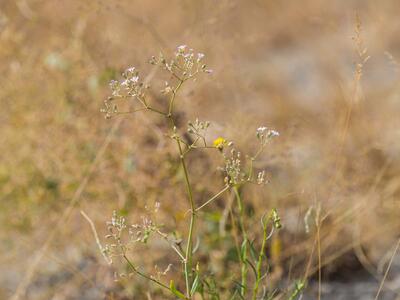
[(195, 284), (175, 291), (252, 267)]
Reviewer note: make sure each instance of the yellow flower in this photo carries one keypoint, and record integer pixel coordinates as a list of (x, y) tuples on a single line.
[(220, 143)]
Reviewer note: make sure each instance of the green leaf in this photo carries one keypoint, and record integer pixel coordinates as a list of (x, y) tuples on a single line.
[(195, 284), (243, 250), (175, 291), (252, 267), (298, 288), (238, 288), (253, 251)]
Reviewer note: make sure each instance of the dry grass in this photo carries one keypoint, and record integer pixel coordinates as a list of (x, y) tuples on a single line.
[(278, 63)]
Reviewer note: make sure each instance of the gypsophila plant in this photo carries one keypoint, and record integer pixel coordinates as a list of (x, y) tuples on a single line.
[(237, 170)]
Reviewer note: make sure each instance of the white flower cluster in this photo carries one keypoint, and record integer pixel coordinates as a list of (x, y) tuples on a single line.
[(185, 65), (261, 178), (197, 127), (117, 222), (136, 233), (115, 228), (141, 232), (232, 169), (129, 87), (264, 134)]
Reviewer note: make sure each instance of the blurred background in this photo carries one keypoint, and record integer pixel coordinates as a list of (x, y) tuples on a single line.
[(326, 79)]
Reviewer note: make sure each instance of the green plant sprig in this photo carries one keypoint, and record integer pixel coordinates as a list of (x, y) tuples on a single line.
[(183, 67)]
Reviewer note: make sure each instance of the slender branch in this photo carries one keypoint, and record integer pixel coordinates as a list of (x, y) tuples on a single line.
[(252, 159), (190, 146), (260, 260), (165, 237), (174, 92), (135, 270), (213, 198), (96, 237), (244, 251), (131, 111), (189, 246), (173, 74), (203, 147), (156, 110)]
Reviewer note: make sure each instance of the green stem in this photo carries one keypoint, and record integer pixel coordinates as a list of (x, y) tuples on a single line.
[(187, 262), (189, 247), (174, 92), (244, 251), (298, 287), (252, 159), (213, 198), (156, 110), (134, 269), (260, 260)]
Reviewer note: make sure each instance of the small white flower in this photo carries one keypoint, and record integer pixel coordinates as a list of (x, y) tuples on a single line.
[(273, 133), (181, 48), (261, 130), (264, 134), (157, 206), (113, 83), (166, 90), (125, 82), (261, 177), (135, 79)]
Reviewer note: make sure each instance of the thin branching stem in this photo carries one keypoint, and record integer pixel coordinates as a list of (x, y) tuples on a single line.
[(187, 261), (189, 246), (174, 92), (136, 271), (261, 257), (213, 198), (165, 237), (244, 250), (190, 146), (252, 159), (156, 110)]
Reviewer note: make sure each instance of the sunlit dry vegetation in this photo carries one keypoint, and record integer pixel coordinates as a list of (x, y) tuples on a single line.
[(324, 75)]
